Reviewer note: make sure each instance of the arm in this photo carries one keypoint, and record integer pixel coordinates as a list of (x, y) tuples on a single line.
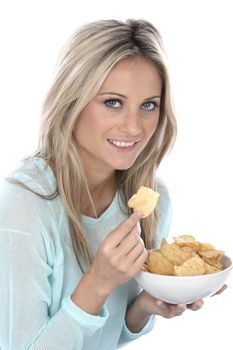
[(117, 260), (140, 314), (25, 300), (137, 320), (32, 277), (26, 282)]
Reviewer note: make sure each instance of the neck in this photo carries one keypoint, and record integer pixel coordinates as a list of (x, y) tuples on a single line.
[(99, 186), (102, 190)]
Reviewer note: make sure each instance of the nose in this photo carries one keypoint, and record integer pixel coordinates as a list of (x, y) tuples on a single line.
[(131, 124)]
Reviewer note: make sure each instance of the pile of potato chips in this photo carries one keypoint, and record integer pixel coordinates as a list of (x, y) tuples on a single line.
[(184, 257)]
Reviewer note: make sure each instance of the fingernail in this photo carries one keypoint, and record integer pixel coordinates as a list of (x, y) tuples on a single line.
[(139, 214), (197, 305), (181, 306)]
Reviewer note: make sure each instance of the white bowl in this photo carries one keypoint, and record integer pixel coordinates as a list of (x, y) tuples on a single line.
[(184, 289)]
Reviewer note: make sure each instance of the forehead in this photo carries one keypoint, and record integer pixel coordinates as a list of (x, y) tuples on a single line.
[(133, 74)]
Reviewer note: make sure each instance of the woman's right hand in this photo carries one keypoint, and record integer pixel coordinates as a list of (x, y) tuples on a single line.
[(120, 255), (118, 259)]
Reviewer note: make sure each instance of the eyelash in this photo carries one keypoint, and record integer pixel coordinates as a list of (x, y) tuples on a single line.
[(108, 104)]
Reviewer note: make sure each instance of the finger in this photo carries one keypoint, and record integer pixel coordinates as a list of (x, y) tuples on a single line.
[(128, 247), (220, 290), (139, 231), (129, 242), (180, 309), (135, 260), (124, 229), (163, 308), (196, 305), (135, 253)]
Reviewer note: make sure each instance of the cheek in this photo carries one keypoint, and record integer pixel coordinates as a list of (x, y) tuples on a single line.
[(84, 124), (151, 127)]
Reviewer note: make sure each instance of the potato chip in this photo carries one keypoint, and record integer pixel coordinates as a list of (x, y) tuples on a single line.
[(206, 246), (187, 241), (159, 264), (184, 239), (212, 257), (175, 254), (192, 267), (144, 200), (211, 268), (212, 254)]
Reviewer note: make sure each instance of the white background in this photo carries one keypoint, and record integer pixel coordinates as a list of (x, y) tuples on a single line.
[(198, 172)]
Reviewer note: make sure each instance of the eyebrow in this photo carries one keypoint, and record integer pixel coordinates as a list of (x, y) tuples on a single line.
[(123, 96)]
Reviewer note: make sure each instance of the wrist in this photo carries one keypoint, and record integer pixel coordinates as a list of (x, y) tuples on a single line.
[(89, 295), (102, 286), (143, 304), (136, 315)]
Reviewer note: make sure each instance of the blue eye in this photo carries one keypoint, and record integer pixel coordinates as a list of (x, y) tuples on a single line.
[(112, 103), (149, 106)]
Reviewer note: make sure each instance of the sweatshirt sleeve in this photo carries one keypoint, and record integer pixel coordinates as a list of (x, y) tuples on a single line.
[(25, 297), (127, 336), (31, 257)]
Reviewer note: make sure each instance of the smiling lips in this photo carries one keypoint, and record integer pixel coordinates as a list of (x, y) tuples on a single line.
[(123, 144)]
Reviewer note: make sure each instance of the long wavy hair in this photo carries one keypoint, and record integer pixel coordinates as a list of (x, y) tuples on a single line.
[(83, 64)]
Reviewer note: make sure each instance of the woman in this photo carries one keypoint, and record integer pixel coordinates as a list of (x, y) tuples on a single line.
[(69, 246)]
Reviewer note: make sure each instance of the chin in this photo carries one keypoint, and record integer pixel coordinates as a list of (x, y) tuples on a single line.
[(123, 166)]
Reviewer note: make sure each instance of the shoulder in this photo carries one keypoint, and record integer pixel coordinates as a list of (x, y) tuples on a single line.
[(21, 205), (31, 177), (27, 217), (36, 175)]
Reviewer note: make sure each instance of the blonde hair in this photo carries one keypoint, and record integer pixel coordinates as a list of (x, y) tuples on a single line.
[(83, 65)]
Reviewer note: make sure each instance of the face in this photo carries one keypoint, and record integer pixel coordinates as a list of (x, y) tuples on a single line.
[(116, 125)]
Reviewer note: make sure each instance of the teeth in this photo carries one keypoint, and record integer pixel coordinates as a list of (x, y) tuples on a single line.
[(122, 144)]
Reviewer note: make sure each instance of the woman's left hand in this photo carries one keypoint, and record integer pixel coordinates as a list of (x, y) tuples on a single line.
[(158, 307), (145, 305), (155, 306)]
